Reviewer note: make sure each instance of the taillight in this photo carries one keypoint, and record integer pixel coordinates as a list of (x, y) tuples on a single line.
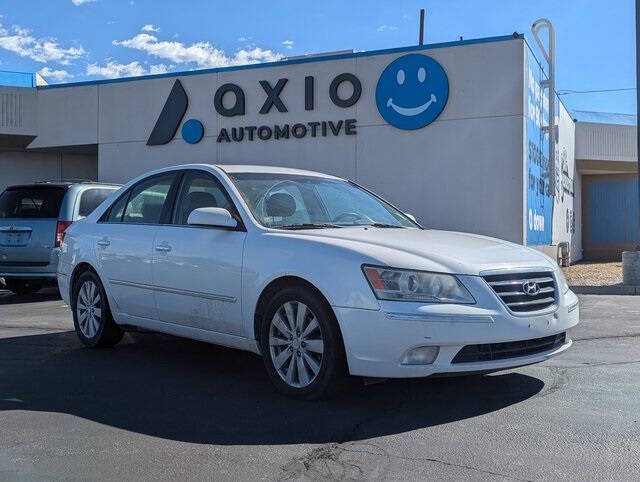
[(61, 227)]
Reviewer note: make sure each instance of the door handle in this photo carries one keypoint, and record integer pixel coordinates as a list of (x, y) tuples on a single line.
[(104, 243), (165, 248)]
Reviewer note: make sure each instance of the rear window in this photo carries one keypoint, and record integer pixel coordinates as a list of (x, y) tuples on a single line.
[(31, 202), (91, 199)]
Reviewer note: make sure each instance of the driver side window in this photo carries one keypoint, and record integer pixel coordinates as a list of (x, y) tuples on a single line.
[(199, 190)]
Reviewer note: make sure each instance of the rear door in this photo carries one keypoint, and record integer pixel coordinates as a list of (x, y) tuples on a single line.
[(28, 219), (124, 244)]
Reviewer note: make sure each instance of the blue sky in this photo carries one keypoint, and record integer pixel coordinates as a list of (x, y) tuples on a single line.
[(76, 40)]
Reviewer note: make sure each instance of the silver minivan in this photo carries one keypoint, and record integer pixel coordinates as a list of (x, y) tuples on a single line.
[(33, 218)]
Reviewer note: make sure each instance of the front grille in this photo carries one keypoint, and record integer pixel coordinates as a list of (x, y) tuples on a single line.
[(515, 290), (510, 349)]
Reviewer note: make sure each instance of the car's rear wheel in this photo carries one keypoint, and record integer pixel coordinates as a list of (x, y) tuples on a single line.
[(301, 345), (91, 314), (23, 286)]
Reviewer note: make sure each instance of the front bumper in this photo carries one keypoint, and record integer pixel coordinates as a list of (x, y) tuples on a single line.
[(377, 340)]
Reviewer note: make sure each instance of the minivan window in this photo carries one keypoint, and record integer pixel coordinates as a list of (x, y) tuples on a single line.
[(31, 202), (147, 199), (91, 199)]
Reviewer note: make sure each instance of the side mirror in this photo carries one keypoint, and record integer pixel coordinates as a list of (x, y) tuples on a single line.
[(218, 217), (412, 217)]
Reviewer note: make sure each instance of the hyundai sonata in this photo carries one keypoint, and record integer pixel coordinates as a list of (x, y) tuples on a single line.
[(317, 274)]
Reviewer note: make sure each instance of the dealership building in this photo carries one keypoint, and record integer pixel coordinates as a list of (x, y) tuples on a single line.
[(453, 133)]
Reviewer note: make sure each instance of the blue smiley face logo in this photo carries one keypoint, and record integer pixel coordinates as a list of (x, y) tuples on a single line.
[(412, 91)]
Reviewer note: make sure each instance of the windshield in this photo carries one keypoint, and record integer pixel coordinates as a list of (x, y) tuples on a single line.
[(31, 202), (296, 202)]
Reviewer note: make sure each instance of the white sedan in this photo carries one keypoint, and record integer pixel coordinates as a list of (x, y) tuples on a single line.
[(315, 273)]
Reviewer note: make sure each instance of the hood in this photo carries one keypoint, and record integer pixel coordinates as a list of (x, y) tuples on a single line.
[(433, 250)]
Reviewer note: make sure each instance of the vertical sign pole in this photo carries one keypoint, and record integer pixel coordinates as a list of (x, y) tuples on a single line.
[(550, 56), (421, 34), (638, 102)]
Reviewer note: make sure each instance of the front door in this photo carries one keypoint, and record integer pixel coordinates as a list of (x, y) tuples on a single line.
[(124, 245), (197, 270)]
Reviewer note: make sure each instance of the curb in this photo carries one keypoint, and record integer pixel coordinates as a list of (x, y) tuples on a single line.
[(628, 290)]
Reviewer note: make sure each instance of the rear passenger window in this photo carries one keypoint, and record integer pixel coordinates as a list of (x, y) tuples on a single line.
[(117, 210), (91, 199), (147, 199)]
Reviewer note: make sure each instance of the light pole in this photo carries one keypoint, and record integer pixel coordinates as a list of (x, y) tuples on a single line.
[(631, 259)]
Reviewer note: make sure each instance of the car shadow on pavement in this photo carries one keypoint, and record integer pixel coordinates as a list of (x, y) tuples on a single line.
[(45, 294), (194, 392)]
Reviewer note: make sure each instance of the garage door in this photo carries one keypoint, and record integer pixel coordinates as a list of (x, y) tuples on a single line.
[(610, 215)]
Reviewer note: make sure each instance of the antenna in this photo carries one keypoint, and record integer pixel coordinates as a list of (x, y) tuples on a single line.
[(421, 33), (550, 84)]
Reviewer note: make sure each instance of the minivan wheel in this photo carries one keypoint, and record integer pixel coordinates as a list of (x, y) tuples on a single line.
[(301, 345), (92, 318), (23, 286)]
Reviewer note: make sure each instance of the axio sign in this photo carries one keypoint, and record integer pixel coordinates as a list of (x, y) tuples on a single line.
[(411, 93)]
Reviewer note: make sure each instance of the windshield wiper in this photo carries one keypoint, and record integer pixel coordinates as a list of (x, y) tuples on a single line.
[(308, 226), (384, 225)]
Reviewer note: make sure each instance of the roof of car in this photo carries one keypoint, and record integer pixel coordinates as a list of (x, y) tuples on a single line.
[(60, 184), (247, 168)]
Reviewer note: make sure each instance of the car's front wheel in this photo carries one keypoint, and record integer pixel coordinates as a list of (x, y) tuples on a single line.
[(91, 314), (301, 345)]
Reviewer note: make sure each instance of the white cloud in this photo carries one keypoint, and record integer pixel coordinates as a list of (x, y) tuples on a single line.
[(386, 28), (203, 54), (150, 28), (20, 41), (288, 44), (113, 70), (77, 3), (244, 39), (56, 75), (159, 69)]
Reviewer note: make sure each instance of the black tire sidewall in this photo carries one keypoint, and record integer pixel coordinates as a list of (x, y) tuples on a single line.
[(23, 287), (104, 306), (333, 366)]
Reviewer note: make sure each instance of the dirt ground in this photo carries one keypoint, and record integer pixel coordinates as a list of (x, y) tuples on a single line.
[(594, 274)]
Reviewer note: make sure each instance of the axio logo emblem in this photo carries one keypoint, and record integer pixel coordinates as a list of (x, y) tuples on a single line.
[(412, 91)]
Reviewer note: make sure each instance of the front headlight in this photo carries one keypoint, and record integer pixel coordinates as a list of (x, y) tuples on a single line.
[(405, 285), (563, 285)]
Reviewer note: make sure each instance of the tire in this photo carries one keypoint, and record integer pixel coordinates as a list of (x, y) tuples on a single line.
[(309, 362), (23, 286), (92, 317)]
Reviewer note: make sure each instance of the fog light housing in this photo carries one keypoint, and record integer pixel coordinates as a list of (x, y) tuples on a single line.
[(422, 355)]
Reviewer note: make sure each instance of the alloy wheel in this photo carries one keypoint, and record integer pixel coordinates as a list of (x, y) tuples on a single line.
[(89, 309), (296, 344)]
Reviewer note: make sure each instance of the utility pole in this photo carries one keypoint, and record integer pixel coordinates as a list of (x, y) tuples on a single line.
[(638, 102), (631, 259)]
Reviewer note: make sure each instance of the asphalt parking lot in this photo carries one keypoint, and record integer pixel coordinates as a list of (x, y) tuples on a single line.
[(158, 407)]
